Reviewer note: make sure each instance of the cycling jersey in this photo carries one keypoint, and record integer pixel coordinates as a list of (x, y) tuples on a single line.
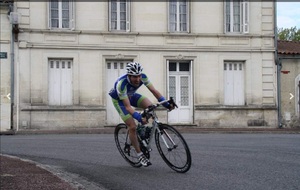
[(124, 89)]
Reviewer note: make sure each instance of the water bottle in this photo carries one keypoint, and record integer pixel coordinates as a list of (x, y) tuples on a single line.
[(148, 132), (141, 131)]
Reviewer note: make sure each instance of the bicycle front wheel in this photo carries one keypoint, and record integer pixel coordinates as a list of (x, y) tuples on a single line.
[(124, 145), (173, 148)]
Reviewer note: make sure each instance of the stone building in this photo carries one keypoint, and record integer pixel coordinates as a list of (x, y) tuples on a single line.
[(217, 59), (289, 83), (5, 66)]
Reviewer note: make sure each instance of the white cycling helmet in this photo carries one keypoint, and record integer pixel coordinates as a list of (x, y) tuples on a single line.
[(134, 68)]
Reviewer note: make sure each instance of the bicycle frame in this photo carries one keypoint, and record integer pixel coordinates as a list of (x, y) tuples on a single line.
[(170, 144), (155, 127)]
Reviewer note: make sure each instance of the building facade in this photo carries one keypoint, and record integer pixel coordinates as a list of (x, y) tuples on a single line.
[(5, 67), (289, 83), (215, 58)]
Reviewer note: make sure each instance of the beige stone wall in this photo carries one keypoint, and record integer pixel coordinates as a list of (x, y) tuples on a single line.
[(289, 84), (5, 75), (150, 43)]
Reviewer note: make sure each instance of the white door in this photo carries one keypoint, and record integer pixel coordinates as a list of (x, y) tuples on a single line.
[(114, 69), (180, 89), (60, 82), (234, 83)]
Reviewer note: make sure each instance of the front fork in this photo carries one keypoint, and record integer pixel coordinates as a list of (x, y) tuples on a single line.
[(163, 132)]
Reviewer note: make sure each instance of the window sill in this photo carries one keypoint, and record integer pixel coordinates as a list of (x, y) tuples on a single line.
[(64, 108), (226, 107)]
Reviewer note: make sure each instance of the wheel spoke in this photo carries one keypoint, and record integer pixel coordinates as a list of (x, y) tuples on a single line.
[(173, 149), (124, 145)]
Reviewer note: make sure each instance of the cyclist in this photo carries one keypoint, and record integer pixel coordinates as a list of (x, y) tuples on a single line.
[(124, 96)]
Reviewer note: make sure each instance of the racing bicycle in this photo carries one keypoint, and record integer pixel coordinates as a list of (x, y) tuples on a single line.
[(170, 144)]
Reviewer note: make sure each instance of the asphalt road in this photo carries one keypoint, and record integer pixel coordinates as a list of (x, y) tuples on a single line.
[(220, 161)]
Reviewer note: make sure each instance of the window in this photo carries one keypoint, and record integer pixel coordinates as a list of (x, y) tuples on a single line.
[(119, 15), (234, 83), (179, 82), (61, 14), (60, 82), (178, 16), (236, 16)]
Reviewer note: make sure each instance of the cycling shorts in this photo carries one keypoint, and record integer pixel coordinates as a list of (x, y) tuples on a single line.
[(135, 101)]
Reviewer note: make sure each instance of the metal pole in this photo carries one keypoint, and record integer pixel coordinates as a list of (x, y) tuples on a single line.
[(278, 64), (12, 77), (12, 72)]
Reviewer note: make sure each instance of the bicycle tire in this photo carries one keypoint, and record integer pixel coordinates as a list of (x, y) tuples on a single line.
[(124, 145), (176, 157)]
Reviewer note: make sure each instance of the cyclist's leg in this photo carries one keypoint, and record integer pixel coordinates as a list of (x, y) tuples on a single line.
[(140, 101), (129, 121), (132, 134)]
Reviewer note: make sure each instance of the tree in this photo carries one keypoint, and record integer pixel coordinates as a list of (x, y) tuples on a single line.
[(290, 34)]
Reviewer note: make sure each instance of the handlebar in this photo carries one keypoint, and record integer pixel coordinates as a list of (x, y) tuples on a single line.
[(154, 106)]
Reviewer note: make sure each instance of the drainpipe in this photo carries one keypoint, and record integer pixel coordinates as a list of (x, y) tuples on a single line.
[(279, 66), (14, 23), (12, 69)]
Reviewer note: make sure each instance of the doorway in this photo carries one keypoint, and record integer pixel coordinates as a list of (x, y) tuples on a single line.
[(114, 69), (180, 88)]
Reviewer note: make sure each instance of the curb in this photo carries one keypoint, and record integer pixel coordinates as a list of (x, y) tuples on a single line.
[(16, 172), (181, 129)]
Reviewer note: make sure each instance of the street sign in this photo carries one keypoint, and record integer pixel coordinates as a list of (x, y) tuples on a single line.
[(3, 55)]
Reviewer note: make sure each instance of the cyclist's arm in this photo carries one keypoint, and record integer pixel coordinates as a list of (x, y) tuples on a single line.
[(155, 92), (160, 97)]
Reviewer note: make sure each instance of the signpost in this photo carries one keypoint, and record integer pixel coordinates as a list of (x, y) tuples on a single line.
[(3, 55)]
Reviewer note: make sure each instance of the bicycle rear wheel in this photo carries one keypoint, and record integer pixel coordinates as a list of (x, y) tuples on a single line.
[(124, 145), (173, 148)]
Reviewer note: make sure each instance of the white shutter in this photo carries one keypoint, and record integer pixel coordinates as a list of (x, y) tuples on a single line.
[(54, 82), (228, 84), (245, 6), (238, 84), (114, 69), (187, 16), (127, 16), (169, 19), (66, 83), (225, 13), (49, 14), (109, 16), (234, 83), (60, 82), (72, 15)]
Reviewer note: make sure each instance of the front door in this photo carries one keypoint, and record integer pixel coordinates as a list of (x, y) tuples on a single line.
[(114, 69), (180, 89)]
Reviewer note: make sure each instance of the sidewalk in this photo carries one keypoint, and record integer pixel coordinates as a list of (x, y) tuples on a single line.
[(17, 174), (181, 129)]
